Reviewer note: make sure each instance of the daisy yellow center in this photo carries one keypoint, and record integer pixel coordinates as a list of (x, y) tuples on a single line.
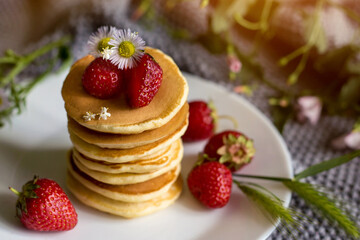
[(126, 49), (104, 43)]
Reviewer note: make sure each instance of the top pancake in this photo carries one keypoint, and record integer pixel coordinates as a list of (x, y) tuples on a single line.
[(126, 120), (126, 141)]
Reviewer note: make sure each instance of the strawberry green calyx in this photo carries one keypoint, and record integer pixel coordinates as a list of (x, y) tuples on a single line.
[(202, 157), (213, 113), (236, 151), (27, 192)]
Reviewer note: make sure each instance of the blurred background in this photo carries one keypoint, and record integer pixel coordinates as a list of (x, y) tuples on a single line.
[(307, 46)]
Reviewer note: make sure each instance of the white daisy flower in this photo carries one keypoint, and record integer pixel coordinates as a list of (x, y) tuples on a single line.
[(89, 116), (99, 41), (104, 114), (128, 48)]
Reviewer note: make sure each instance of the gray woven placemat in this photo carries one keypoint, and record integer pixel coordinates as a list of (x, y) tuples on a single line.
[(307, 144)]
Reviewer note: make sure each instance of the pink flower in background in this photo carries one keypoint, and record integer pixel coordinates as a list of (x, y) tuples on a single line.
[(349, 140), (309, 108), (243, 89), (234, 63)]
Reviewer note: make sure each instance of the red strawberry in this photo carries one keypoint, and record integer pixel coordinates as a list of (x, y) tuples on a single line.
[(210, 183), (44, 206), (202, 119), (102, 79), (145, 82), (232, 148)]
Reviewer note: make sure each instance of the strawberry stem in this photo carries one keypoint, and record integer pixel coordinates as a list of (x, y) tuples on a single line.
[(233, 120), (14, 191), (279, 179)]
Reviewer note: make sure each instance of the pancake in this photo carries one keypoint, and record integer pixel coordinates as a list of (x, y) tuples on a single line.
[(138, 166), (131, 178), (166, 104), (121, 141), (137, 192), (126, 155), (124, 209)]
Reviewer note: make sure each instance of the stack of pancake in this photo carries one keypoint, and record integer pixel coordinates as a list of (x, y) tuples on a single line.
[(129, 163)]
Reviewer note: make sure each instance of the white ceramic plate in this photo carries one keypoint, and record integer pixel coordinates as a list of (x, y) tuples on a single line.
[(37, 141)]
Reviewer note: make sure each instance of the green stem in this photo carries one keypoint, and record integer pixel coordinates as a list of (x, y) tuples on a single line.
[(299, 69), (230, 118), (301, 50), (278, 179), (7, 60), (246, 24), (39, 78), (14, 191), (24, 61), (265, 16)]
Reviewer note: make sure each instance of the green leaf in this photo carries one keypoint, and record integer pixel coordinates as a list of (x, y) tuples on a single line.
[(327, 165), (326, 206), (278, 179)]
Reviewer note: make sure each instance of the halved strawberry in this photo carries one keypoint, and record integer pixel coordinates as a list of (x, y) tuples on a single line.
[(144, 83), (102, 79)]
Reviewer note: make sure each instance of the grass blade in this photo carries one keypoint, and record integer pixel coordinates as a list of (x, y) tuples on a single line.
[(269, 203), (326, 206), (327, 165)]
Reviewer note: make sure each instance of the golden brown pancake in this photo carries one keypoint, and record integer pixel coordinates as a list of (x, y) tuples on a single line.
[(124, 209), (131, 178), (121, 141), (126, 155), (137, 192), (166, 104), (137, 166)]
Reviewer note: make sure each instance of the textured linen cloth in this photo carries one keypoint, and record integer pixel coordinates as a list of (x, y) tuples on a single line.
[(307, 144)]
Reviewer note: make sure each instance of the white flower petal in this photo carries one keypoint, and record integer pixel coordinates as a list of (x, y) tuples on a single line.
[(89, 116), (95, 38), (104, 114), (128, 36)]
